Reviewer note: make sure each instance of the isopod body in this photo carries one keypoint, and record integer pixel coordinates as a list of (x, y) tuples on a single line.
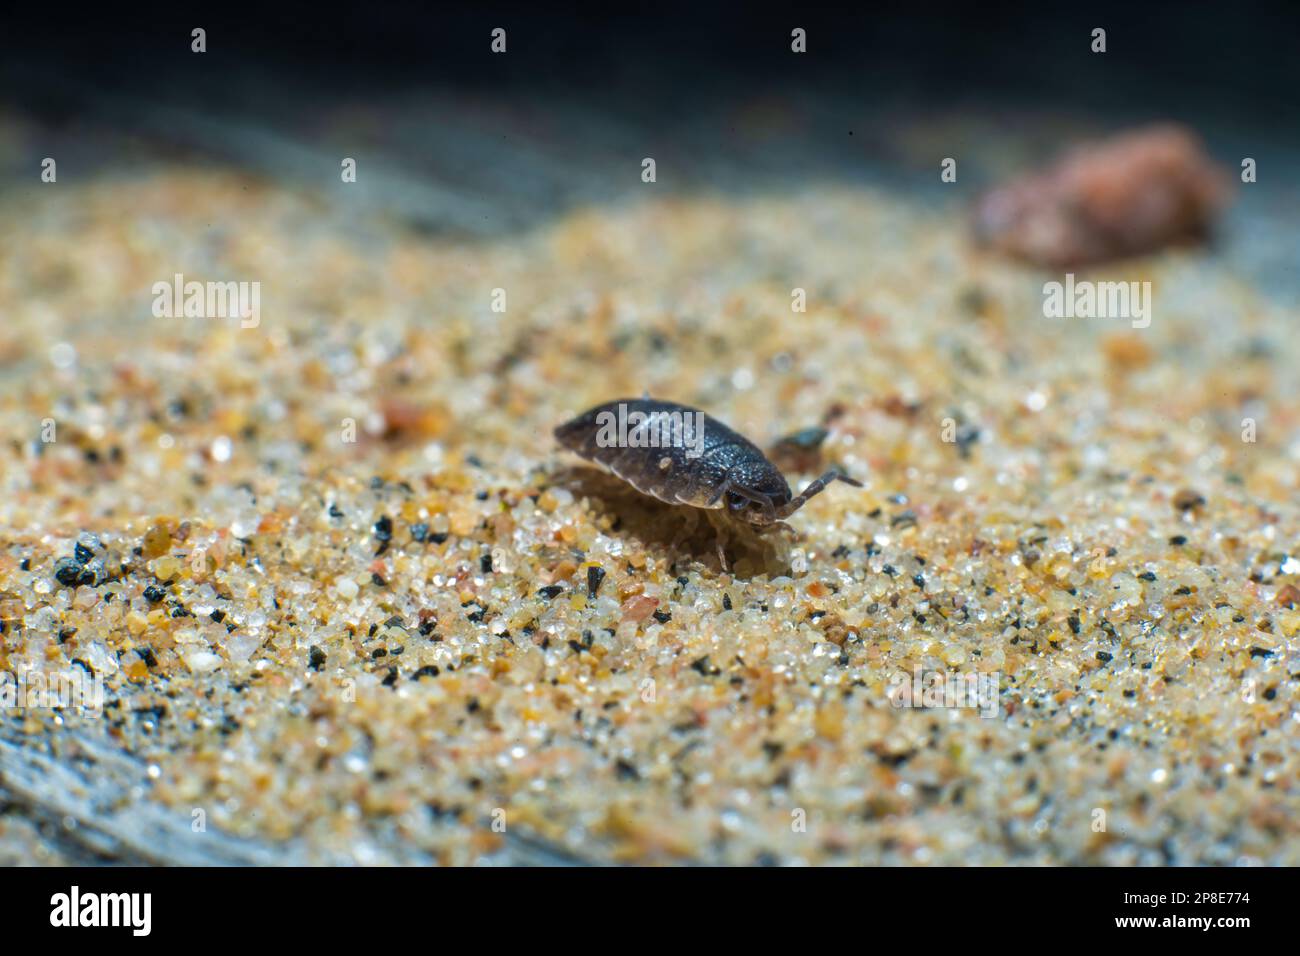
[(683, 456)]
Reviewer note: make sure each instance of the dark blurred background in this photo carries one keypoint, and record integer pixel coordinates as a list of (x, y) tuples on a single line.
[(468, 143), (1185, 59)]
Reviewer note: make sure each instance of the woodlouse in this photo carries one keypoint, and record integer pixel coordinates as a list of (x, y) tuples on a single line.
[(684, 456)]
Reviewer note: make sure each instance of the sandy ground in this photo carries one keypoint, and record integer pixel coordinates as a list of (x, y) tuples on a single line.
[(335, 575)]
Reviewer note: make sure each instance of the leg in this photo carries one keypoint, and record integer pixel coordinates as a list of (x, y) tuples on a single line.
[(769, 509), (721, 529), (723, 487)]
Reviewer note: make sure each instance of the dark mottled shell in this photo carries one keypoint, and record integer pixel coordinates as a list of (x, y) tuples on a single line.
[(670, 474)]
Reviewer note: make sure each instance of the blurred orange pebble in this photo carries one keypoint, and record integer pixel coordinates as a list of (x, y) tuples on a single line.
[(1130, 195)]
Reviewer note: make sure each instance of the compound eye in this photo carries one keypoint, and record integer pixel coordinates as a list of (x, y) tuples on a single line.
[(736, 502)]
